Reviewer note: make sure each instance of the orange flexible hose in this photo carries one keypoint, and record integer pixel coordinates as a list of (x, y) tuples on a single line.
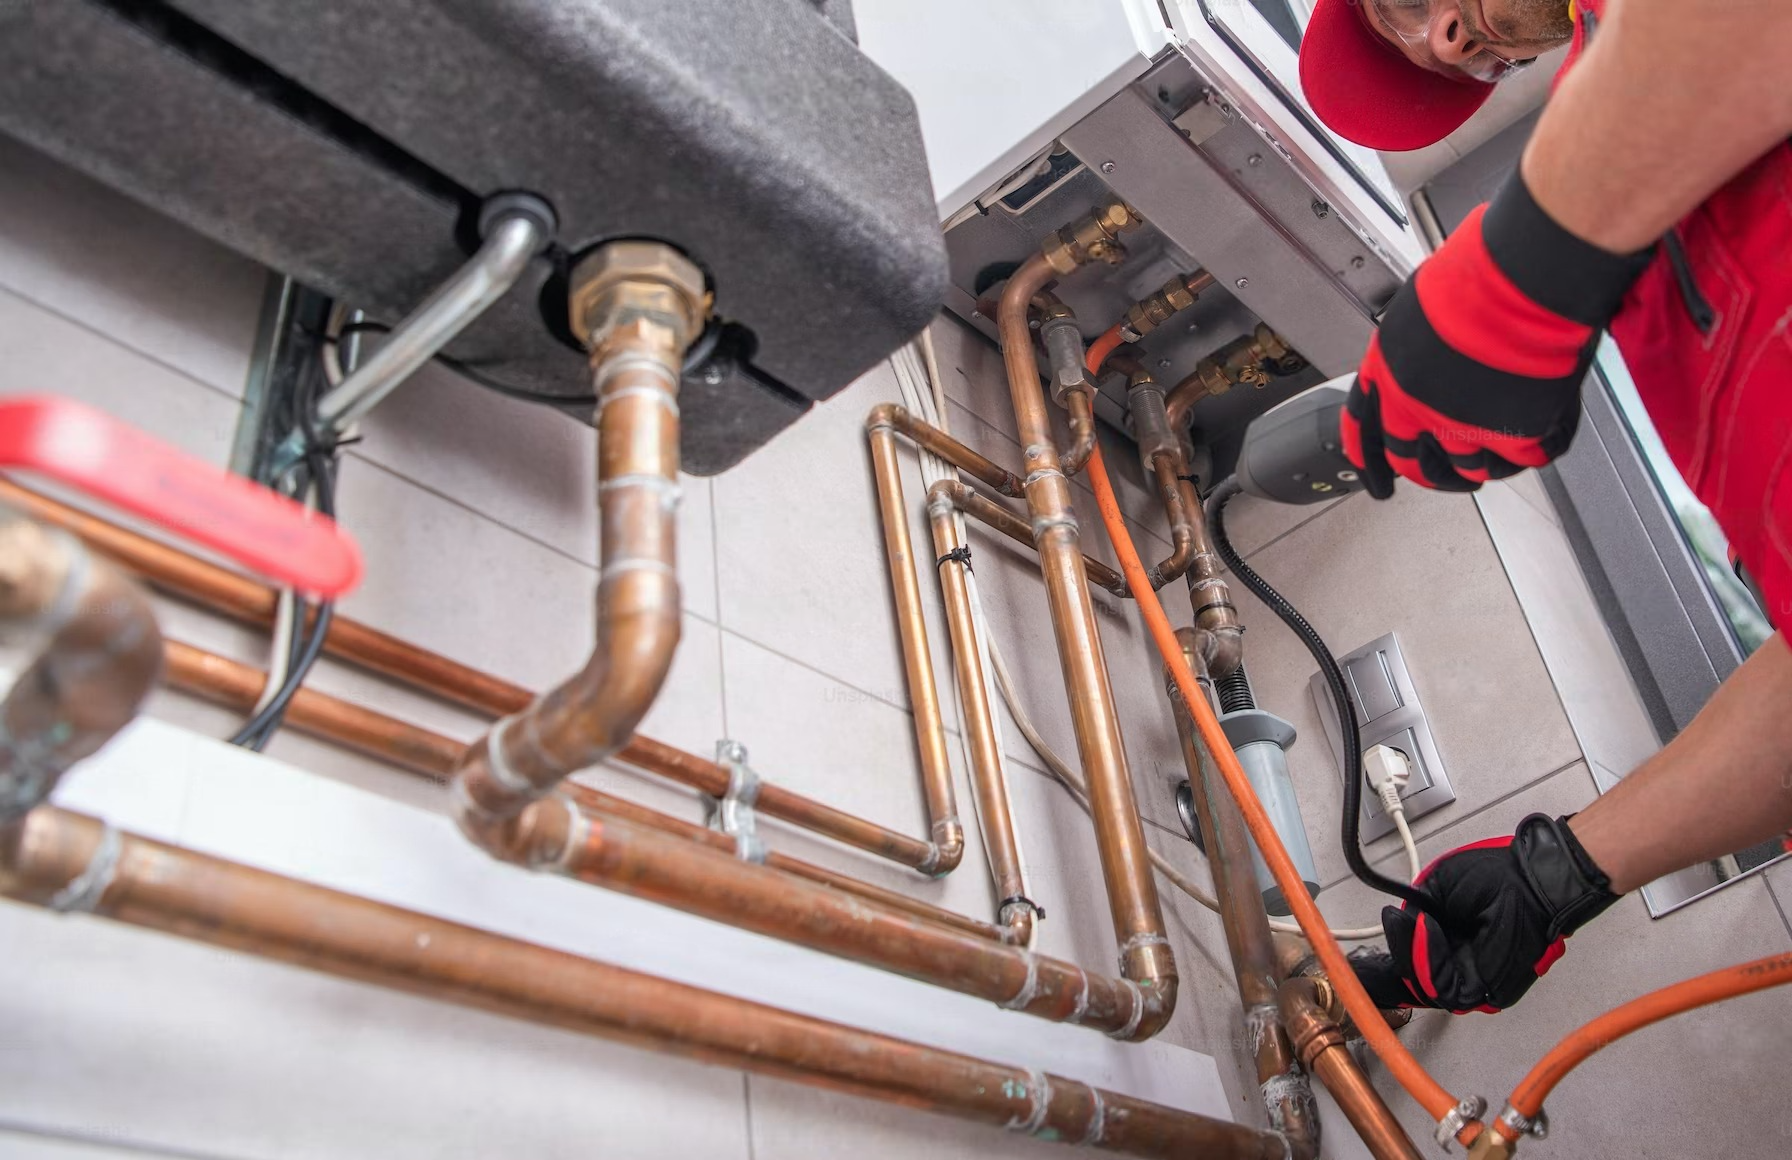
[(1101, 348), (1742, 979), (1430, 1094)]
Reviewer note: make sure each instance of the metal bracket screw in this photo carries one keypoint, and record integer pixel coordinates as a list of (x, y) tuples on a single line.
[(732, 813), (1108, 167)]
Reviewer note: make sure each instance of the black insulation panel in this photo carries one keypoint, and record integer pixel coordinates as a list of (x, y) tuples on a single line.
[(348, 144)]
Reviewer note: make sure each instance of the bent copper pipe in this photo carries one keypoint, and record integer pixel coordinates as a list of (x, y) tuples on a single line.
[(607, 851), (1132, 892), (1208, 593), (1320, 1044), (931, 438), (1017, 912), (1000, 519), (1287, 1097), (944, 828), (209, 900), (232, 594), (99, 659), (1172, 492), (417, 750), (1079, 412), (646, 303)]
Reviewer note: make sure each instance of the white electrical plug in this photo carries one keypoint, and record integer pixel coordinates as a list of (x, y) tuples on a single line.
[(1388, 771)]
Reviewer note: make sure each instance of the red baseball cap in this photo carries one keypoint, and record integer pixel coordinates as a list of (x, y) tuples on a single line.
[(1368, 92)]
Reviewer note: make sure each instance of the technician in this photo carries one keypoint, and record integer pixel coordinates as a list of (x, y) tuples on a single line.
[(1653, 201)]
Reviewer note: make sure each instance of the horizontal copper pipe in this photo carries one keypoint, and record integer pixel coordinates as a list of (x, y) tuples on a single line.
[(998, 518), (931, 438), (225, 904), (180, 574), (431, 755), (1320, 1044), (610, 852)]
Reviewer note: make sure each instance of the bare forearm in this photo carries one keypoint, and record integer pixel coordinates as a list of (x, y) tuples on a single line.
[(1723, 785), (1672, 99)]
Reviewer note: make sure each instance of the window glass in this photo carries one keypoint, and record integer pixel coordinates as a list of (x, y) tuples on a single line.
[(1702, 533)]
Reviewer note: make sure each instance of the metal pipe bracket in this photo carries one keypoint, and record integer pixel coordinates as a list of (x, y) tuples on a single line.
[(732, 813)]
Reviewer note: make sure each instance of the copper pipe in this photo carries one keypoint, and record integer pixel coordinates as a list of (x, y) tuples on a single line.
[(931, 438), (1079, 409), (1287, 1097), (1017, 912), (243, 599), (237, 596), (639, 304), (226, 904), (1320, 1044), (998, 518), (1172, 493), (610, 852), (98, 660), (1208, 593), (944, 828), (1132, 893), (431, 755)]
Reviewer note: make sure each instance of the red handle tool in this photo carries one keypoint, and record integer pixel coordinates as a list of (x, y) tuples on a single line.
[(264, 531)]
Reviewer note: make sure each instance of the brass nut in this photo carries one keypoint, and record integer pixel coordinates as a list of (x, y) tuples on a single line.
[(1117, 216), (634, 278), (1274, 348)]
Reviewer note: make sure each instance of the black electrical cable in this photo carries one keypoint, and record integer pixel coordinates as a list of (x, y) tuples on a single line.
[(1334, 680)]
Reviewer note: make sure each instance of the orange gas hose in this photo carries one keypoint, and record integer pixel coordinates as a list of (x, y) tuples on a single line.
[(1101, 348), (1430, 1094), (1742, 979)]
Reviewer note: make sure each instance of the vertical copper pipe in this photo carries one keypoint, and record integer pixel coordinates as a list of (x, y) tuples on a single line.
[(609, 852), (431, 755), (1287, 1097), (225, 904), (1172, 493), (1017, 912), (100, 654), (639, 304), (1321, 1046), (1132, 894), (1079, 411), (945, 829)]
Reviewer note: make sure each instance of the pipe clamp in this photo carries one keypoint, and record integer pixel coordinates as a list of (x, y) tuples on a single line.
[(1471, 1108), (1536, 1126), (732, 813), (84, 891)]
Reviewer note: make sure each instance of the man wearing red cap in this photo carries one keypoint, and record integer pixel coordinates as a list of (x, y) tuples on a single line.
[(1654, 201)]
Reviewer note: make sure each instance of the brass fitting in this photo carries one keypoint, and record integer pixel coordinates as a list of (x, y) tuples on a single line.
[(1095, 237), (1176, 295), (645, 283), (1490, 1145), (1241, 362)]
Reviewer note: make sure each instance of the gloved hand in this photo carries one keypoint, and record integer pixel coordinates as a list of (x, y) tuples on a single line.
[(1475, 372), (1511, 903)]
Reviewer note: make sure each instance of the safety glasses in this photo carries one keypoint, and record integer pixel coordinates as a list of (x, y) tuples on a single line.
[(1410, 22)]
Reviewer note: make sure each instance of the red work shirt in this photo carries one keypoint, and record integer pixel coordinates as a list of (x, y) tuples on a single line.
[(1704, 333)]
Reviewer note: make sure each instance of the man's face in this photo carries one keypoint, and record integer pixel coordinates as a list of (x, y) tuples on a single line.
[(1470, 38)]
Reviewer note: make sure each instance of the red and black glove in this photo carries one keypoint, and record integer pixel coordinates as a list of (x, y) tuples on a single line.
[(1511, 903), (1475, 372)]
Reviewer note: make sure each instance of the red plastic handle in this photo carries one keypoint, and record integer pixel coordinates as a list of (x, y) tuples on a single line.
[(112, 461)]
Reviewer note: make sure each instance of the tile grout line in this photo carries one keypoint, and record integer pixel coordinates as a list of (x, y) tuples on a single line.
[(1777, 904), (746, 1097), (715, 563), (113, 341), (1471, 815), (843, 682), (427, 489), (1279, 537)]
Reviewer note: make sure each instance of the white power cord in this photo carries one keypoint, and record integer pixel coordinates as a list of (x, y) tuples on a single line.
[(933, 411), (1387, 771)]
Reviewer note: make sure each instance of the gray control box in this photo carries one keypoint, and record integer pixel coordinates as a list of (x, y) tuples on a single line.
[(1388, 712)]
